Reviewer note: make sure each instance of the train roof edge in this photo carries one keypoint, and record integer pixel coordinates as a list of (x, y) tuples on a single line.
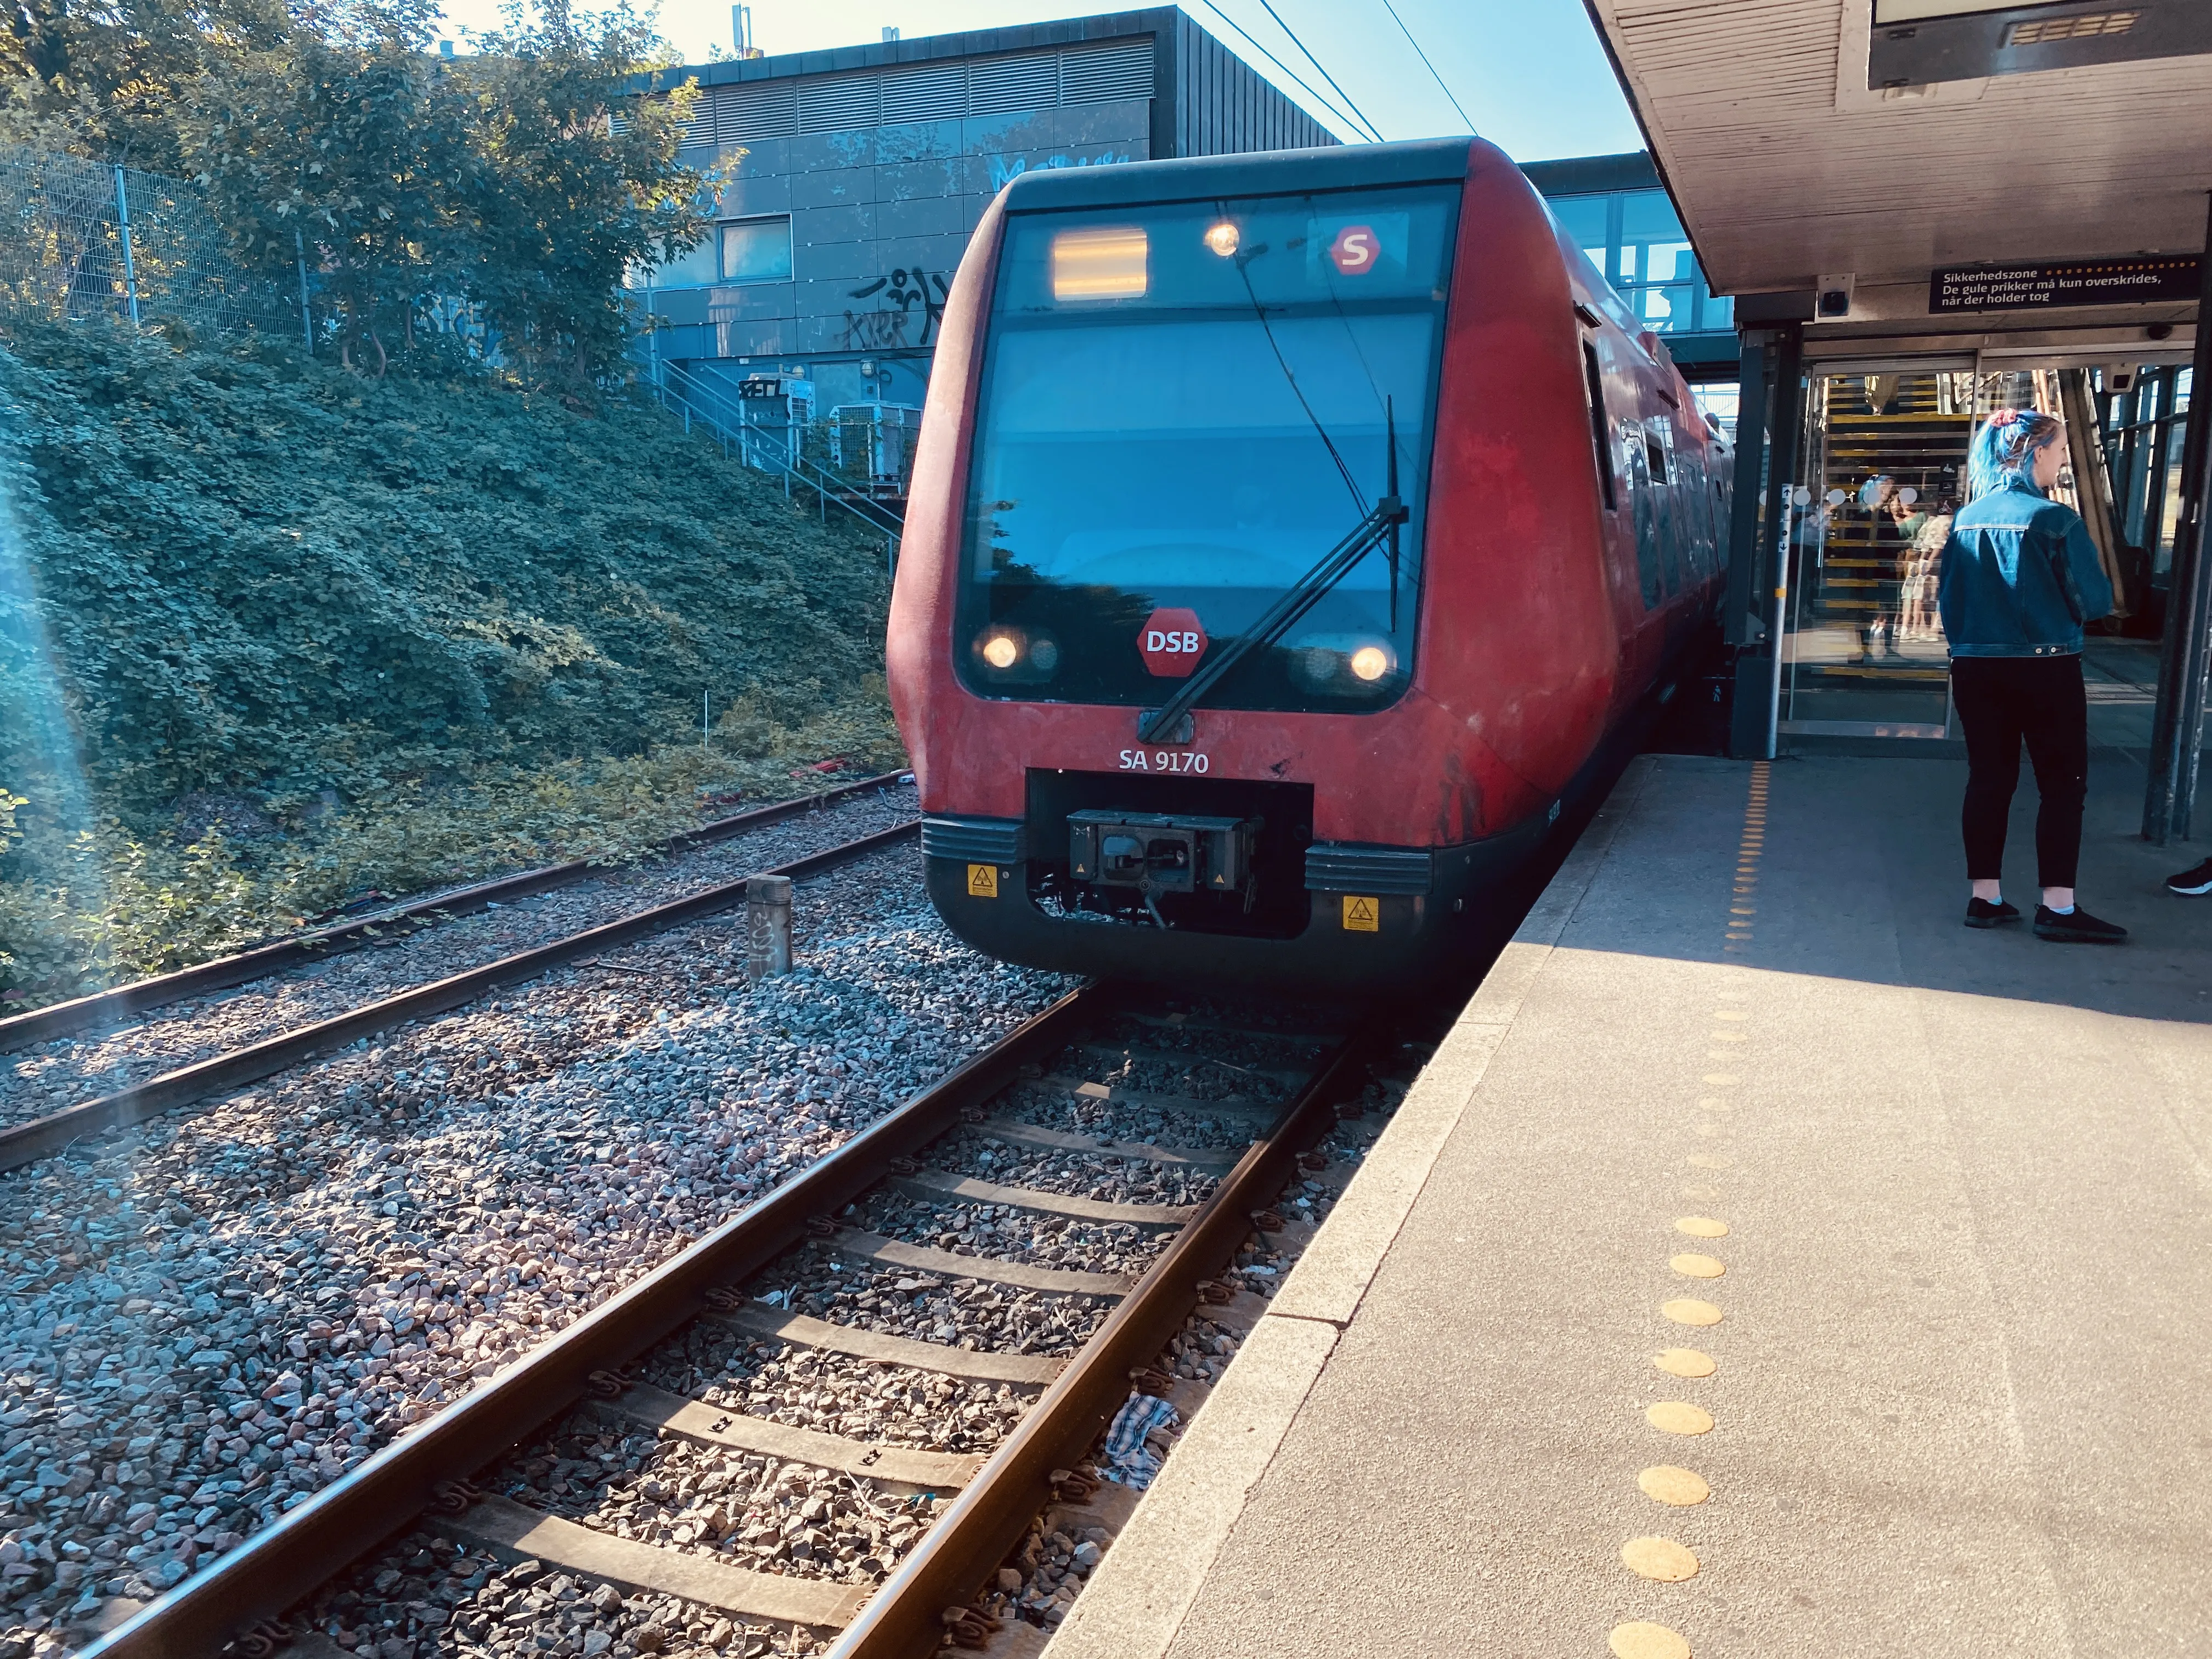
[(1260, 172)]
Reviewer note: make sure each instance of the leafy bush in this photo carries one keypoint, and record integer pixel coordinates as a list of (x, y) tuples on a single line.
[(406, 632)]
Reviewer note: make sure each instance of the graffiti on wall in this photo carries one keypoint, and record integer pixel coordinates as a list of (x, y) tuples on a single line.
[(1006, 167), (898, 297)]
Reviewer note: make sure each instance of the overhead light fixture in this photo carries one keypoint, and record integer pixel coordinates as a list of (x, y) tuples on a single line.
[(2045, 30)]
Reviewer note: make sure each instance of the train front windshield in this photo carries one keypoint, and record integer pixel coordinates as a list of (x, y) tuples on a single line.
[(1183, 408)]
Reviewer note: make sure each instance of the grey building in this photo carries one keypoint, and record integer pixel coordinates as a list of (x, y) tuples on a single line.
[(858, 174)]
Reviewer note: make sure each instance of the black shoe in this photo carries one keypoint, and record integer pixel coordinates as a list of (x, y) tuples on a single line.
[(1980, 912), (2079, 928), (2197, 878)]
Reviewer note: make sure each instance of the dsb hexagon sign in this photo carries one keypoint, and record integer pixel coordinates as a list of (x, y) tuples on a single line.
[(1172, 641)]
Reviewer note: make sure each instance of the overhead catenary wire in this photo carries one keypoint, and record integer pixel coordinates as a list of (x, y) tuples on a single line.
[(1307, 85), (1426, 65), (1375, 131)]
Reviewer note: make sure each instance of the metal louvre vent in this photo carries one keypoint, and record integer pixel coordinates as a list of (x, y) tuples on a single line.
[(751, 113), (746, 115), (1000, 85), (986, 840), (1345, 868), (833, 103), (2080, 28), (698, 128), (936, 93), (1094, 75)]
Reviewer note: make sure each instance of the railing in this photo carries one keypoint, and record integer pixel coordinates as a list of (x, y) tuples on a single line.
[(732, 425)]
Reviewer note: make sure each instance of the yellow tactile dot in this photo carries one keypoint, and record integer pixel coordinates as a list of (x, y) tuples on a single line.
[(1691, 1266), (1702, 1226), (1640, 1639), (1665, 1484), (1662, 1558), (1678, 1417), (1712, 1104), (1710, 1160), (1688, 1310), (1684, 1362)]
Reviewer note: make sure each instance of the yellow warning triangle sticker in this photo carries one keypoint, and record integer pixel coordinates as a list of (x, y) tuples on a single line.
[(1359, 914)]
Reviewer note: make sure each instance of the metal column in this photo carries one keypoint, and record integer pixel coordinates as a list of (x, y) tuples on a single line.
[(1768, 409), (2177, 722), (1788, 408), (123, 227), (1740, 625)]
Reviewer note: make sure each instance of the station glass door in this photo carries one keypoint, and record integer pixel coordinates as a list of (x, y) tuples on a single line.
[(1882, 471)]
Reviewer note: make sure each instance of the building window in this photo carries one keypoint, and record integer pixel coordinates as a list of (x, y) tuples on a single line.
[(756, 250)]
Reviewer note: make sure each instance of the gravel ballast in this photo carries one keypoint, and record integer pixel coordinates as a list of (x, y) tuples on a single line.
[(211, 1317), (68, 1071)]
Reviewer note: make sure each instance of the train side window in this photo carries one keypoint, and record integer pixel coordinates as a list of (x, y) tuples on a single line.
[(1594, 382), (1655, 454)]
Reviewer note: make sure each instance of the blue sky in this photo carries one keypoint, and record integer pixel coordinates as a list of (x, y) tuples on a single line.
[(1529, 72)]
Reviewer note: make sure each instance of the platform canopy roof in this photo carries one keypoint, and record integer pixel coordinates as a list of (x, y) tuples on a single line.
[(1880, 141)]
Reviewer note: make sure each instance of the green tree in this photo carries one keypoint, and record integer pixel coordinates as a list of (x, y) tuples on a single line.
[(577, 184)]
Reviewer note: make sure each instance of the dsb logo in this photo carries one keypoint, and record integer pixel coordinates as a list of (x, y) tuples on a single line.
[(1172, 641)]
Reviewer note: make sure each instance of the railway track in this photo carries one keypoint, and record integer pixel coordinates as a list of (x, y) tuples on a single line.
[(320, 945), (1063, 1225), (26, 1142)]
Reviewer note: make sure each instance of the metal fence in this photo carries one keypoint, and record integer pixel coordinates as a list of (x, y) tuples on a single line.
[(82, 239)]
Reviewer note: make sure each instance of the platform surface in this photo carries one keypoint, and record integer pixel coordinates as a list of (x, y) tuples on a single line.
[(1961, 1401)]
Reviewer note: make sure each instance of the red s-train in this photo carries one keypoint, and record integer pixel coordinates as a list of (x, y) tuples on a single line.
[(1289, 536)]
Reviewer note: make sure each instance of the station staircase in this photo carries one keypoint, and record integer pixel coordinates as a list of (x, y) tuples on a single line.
[(726, 419)]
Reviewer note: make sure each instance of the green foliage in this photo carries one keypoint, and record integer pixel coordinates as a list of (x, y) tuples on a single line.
[(408, 632), (413, 186)]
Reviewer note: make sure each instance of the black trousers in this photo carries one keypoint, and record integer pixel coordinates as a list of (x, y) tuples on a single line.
[(2002, 702)]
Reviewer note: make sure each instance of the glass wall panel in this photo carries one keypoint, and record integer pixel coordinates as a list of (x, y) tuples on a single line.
[(1882, 468), (1636, 239), (2143, 432), (1586, 218)]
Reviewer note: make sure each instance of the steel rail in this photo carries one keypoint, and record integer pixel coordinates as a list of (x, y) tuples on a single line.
[(280, 1565), (25, 1143), (906, 1617), (41, 1024)]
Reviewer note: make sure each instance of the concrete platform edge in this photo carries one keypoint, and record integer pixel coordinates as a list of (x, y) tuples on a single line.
[(1138, 1600)]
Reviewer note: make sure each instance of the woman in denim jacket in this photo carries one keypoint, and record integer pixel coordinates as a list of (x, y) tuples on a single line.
[(2019, 577)]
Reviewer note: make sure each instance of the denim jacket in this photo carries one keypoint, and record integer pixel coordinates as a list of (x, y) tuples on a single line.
[(2020, 576)]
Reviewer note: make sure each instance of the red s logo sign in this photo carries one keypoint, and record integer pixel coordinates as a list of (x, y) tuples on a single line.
[(1355, 250)]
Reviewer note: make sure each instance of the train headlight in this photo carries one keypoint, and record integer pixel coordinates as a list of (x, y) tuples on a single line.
[(1370, 663), (1001, 651), (1222, 238)]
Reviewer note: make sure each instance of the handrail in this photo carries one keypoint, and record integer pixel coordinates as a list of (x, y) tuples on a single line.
[(728, 419)]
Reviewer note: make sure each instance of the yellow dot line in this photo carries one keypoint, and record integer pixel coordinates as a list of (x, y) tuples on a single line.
[(1665, 1560)]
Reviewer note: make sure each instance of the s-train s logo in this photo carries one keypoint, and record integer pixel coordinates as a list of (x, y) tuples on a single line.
[(1171, 642), (1355, 250)]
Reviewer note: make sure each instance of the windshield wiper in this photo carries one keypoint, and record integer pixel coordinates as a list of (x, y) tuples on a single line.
[(1380, 525)]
